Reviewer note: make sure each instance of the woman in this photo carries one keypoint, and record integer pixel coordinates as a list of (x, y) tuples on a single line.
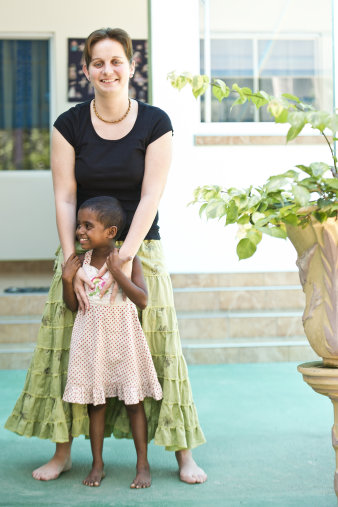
[(115, 146)]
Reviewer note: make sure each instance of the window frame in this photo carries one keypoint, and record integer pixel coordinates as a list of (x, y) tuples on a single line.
[(255, 128), (50, 37)]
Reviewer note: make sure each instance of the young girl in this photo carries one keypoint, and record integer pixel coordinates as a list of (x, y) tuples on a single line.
[(109, 354)]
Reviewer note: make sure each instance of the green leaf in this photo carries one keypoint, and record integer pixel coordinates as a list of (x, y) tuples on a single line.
[(258, 99), (257, 216), (276, 232), (220, 90), (301, 195), (238, 101), (232, 213), (293, 132), (319, 168), (291, 97), (253, 200), (320, 216), (243, 219), (199, 85), (202, 208), (254, 235), (245, 248), (275, 183), (306, 169), (291, 219), (275, 108), (215, 209), (282, 117), (332, 182), (319, 120)]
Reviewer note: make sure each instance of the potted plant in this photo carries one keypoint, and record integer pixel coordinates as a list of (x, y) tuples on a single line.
[(301, 204)]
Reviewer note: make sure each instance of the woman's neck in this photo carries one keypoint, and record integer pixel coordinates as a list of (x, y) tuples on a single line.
[(111, 106)]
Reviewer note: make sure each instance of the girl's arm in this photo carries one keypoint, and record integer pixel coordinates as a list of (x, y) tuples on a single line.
[(69, 270), (63, 170), (135, 289)]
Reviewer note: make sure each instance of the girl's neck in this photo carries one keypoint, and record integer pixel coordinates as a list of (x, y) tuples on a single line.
[(100, 254)]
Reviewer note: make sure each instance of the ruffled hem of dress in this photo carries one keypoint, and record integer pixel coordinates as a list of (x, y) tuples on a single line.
[(97, 396)]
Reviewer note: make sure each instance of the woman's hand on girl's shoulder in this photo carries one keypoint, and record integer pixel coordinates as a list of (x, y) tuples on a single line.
[(115, 263), (70, 268), (116, 266)]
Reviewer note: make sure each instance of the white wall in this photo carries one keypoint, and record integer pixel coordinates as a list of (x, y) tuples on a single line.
[(192, 245)]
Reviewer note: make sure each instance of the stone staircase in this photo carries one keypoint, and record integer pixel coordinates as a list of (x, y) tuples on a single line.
[(241, 317), (223, 318)]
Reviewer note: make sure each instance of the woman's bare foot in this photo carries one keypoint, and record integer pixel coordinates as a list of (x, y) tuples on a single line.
[(95, 476), (143, 478), (189, 471), (60, 462)]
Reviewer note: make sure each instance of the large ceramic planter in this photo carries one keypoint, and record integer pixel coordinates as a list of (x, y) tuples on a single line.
[(317, 249)]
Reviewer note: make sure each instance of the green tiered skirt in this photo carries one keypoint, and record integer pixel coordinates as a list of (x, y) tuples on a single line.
[(40, 410)]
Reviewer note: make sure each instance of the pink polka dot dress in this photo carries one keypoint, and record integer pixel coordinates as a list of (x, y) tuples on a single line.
[(109, 354)]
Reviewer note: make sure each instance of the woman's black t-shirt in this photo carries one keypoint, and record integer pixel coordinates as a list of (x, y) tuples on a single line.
[(114, 168)]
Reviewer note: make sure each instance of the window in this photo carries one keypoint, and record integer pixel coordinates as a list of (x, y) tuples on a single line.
[(283, 61), (24, 104)]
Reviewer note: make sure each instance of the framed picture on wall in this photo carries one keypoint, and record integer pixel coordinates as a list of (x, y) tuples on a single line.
[(79, 89)]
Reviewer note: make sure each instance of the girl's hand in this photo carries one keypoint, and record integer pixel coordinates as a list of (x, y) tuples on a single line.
[(78, 283), (70, 267), (114, 264)]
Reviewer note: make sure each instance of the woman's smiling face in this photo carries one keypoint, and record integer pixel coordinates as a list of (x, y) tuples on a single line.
[(109, 69)]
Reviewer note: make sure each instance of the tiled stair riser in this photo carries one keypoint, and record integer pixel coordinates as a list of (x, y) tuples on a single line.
[(250, 317)]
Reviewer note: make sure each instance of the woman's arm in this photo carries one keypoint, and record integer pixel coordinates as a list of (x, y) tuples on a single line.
[(135, 289), (63, 170), (157, 164), (63, 167)]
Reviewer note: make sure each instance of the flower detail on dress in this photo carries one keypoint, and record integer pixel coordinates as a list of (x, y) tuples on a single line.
[(167, 421), (167, 361), (99, 283), (45, 320)]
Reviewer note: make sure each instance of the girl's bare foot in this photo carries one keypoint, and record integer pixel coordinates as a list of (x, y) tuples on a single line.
[(60, 462), (143, 478), (95, 476), (189, 471)]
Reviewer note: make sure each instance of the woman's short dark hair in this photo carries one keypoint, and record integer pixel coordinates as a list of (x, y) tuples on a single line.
[(116, 34), (108, 212)]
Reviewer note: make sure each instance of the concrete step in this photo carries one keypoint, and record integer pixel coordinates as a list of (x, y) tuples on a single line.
[(25, 274), (195, 299), (235, 324), (289, 297), (234, 279), (19, 328), (15, 356), (254, 352), (199, 325), (22, 304)]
